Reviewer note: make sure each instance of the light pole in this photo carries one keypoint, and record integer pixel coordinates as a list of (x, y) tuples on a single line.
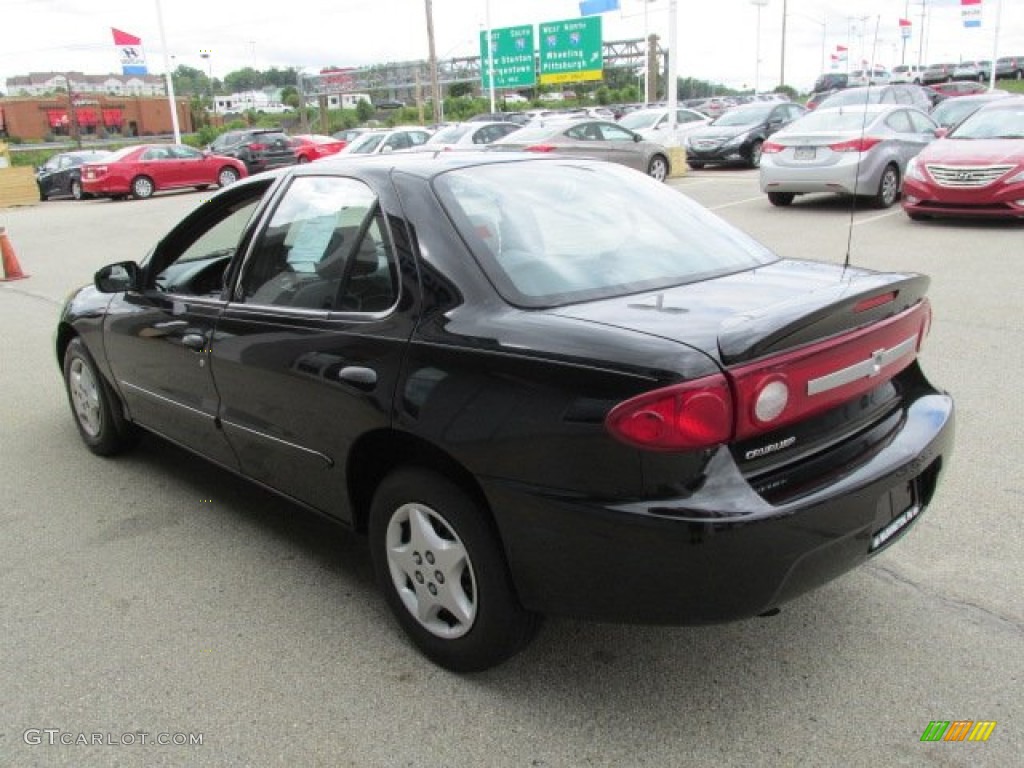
[(757, 62)]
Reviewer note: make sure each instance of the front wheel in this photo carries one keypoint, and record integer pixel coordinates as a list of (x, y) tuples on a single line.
[(228, 176), (755, 154), (142, 187), (443, 573), (888, 187), (76, 190), (96, 408), (657, 169)]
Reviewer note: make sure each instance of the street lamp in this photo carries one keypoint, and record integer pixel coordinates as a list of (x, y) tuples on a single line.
[(757, 63), (205, 55)]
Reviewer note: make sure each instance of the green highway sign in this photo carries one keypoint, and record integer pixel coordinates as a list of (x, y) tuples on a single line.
[(512, 54), (571, 51)]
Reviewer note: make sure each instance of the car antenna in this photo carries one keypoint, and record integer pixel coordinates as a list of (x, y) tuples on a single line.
[(863, 127)]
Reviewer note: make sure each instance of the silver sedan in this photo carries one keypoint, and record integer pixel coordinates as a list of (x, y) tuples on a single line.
[(590, 138), (854, 150)]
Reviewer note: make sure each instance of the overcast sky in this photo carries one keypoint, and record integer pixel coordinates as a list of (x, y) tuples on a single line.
[(718, 39)]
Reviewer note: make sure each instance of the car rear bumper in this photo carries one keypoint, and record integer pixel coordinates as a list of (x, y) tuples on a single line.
[(722, 553), (840, 177)]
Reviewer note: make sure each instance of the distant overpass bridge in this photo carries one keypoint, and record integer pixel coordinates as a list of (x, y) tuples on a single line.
[(409, 79)]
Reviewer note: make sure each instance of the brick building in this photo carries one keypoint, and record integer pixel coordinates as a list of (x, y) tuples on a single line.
[(35, 118)]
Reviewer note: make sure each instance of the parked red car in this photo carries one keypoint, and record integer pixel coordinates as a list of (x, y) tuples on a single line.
[(141, 170), (977, 170), (311, 146), (959, 88)]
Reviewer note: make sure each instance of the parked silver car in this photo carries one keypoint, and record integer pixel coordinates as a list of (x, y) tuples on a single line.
[(590, 138), (853, 150)]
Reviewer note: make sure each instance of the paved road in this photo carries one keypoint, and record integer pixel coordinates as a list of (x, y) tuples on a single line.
[(154, 593)]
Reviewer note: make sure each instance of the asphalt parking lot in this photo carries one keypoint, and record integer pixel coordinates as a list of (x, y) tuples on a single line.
[(155, 594)]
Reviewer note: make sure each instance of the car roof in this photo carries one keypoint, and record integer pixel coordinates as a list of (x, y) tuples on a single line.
[(425, 165)]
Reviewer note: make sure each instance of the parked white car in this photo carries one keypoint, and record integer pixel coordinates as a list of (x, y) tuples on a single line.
[(652, 124), (906, 73), (869, 76)]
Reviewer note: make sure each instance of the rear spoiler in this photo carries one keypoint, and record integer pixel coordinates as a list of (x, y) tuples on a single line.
[(847, 305)]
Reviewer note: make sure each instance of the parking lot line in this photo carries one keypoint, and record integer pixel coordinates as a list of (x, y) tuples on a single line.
[(734, 203)]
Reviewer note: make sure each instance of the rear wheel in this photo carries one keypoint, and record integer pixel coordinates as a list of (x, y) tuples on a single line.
[(781, 199), (96, 408), (302, 159), (658, 168), (443, 573), (888, 187), (228, 176), (142, 187)]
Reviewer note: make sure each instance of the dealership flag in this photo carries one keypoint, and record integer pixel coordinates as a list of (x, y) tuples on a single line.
[(841, 52), (971, 11), (129, 50)]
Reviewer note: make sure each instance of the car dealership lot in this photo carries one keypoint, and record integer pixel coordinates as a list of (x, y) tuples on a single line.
[(154, 593)]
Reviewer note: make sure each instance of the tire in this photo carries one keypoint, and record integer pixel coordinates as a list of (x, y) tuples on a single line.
[(227, 176), (695, 164), (202, 187), (76, 190), (781, 199), (888, 187), (755, 154), (464, 616), (142, 187), (43, 197), (657, 169), (94, 405), (302, 159), (914, 216)]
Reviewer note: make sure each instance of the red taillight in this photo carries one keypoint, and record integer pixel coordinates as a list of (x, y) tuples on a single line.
[(863, 144), (696, 414), (540, 148), (257, 147), (771, 148), (768, 394), (820, 376), (95, 171)]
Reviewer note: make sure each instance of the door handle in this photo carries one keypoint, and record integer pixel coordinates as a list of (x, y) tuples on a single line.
[(359, 377), (194, 341)]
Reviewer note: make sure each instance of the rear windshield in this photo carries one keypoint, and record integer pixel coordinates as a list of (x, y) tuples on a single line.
[(557, 232)]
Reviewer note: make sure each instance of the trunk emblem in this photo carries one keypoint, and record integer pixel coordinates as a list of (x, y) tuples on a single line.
[(866, 369)]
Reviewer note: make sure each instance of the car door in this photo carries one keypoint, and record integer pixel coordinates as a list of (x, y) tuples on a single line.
[(307, 353), (621, 146), (49, 176), (158, 339), (192, 168)]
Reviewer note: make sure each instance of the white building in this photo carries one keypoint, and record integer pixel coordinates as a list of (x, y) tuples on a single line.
[(260, 101), (37, 84)]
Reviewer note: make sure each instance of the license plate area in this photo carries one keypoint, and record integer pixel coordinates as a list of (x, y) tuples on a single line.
[(804, 153), (897, 509)]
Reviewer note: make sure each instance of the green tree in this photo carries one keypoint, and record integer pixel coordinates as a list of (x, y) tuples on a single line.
[(455, 90), (247, 79), (364, 110)]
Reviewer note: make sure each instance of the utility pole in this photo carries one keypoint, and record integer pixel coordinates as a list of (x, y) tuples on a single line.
[(435, 90), (73, 130), (782, 58)]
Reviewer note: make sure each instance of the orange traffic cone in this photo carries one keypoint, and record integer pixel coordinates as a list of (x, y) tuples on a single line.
[(12, 269)]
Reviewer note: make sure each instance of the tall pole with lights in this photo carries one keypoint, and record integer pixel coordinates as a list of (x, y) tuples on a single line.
[(167, 76), (757, 62)]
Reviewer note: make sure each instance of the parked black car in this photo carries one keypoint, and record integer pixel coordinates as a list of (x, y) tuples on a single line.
[(530, 406), (61, 175), (737, 135), (261, 149)]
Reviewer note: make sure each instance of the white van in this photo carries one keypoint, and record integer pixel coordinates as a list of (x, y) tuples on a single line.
[(906, 73)]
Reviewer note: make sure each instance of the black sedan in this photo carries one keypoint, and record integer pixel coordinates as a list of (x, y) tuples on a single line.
[(738, 135), (61, 175), (538, 384)]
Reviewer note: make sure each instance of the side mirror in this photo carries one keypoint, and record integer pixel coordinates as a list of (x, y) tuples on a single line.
[(637, 138), (940, 132), (117, 278)]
